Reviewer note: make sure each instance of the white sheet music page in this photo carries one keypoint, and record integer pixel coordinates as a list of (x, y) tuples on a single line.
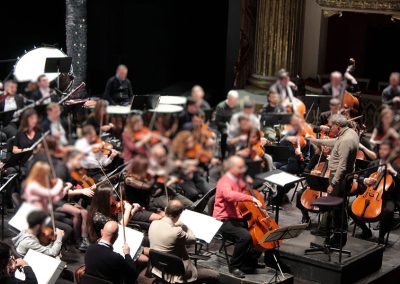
[(282, 178), (133, 239), (46, 268), (204, 227), (19, 220)]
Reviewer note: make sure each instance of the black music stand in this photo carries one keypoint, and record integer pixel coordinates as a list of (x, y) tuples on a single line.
[(278, 153), (144, 103), (269, 177), (280, 234), (68, 109), (361, 164), (3, 207), (57, 65), (317, 182), (275, 118), (320, 101), (253, 168)]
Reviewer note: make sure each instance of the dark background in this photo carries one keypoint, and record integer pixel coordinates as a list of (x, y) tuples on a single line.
[(373, 41)]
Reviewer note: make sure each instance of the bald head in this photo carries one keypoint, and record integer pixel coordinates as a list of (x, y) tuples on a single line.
[(336, 78), (236, 166), (110, 231), (174, 209), (197, 93)]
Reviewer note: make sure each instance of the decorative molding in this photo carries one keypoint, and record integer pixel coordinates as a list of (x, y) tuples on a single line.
[(372, 5)]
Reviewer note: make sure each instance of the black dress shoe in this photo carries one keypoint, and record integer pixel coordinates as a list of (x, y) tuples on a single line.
[(236, 272)]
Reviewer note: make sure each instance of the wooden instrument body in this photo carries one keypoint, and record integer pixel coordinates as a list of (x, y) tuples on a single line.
[(349, 104), (46, 236), (309, 195), (81, 177), (258, 221), (369, 204), (300, 106)]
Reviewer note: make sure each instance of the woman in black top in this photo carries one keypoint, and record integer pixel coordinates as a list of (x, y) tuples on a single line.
[(99, 117), (28, 133)]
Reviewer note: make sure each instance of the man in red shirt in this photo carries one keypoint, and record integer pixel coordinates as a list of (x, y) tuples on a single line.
[(231, 188)]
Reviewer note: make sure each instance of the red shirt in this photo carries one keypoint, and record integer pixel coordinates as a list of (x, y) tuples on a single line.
[(230, 190)]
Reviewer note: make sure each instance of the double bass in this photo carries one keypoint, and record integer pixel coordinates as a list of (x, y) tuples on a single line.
[(369, 204), (258, 221)]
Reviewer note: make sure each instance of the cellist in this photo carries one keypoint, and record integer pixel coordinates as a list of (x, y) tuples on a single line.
[(390, 198)]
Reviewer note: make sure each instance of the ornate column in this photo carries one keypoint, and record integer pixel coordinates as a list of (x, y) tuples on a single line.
[(76, 37), (279, 29)]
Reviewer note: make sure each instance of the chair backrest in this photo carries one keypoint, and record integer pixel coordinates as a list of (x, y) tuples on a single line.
[(210, 205), (89, 279), (167, 263)]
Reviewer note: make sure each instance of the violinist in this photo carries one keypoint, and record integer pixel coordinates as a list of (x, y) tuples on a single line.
[(341, 162), (11, 101), (272, 106), (149, 190), (166, 124), (247, 111), (334, 108), (238, 138), (187, 154), (391, 197), (99, 118), (40, 190), (28, 132), (190, 109), (385, 128), (53, 123), (29, 239), (94, 158)]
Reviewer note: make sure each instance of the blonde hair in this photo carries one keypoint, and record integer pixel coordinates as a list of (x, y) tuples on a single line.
[(131, 122), (179, 143), (39, 173)]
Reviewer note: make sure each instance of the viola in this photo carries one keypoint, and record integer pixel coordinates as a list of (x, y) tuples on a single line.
[(258, 221), (81, 177), (369, 204)]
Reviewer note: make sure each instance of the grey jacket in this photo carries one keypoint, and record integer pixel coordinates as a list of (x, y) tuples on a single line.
[(25, 241)]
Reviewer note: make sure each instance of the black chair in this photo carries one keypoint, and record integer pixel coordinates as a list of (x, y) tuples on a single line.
[(89, 279), (201, 204), (168, 264), (327, 204)]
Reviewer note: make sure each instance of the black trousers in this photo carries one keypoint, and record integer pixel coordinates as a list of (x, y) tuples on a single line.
[(338, 216), (196, 187), (236, 231)]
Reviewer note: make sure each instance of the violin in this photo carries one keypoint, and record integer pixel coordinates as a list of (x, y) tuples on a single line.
[(81, 177), (156, 136), (102, 146), (369, 204), (199, 153), (258, 221)]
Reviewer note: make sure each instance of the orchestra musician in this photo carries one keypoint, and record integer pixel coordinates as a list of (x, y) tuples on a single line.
[(197, 93), (55, 124), (43, 91), (173, 240), (11, 101), (99, 118), (334, 108), (391, 94), (385, 128), (341, 162), (28, 132), (336, 86), (284, 86), (248, 111), (118, 89), (187, 154), (223, 113), (95, 158), (190, 109), (391, 197), (272, 106)]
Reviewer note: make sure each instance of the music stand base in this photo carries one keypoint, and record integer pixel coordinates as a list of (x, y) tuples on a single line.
[(326, 249)]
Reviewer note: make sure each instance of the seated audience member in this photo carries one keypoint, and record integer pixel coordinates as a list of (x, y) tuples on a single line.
[(173, 240), (30, 239), (9, 264), (102, 262)]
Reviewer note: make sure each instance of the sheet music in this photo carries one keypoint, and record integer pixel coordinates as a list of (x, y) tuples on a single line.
[(204, 227), (133, 239), (46, 268), (19, 220), (282, 178)]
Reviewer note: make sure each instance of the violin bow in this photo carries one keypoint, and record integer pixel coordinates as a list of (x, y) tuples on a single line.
[(53, 173)]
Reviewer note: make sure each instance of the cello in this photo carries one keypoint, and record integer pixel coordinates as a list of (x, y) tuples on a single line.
[(258, 221), (369, 204)]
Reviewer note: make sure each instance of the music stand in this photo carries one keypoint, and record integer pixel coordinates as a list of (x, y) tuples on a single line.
[(57, 65), (3, 208), (253, 167), (273, 118), (144, 103), (280, 234), (278, 153), (361, 164), (279, 178), (321, 101), (5, 118), (68, 110), (317, 182)]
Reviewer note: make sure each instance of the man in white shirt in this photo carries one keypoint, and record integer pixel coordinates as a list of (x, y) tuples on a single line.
[(43, 93), (93, 160), (11, 101), (247, 111), (336, 87), (54, 124)]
